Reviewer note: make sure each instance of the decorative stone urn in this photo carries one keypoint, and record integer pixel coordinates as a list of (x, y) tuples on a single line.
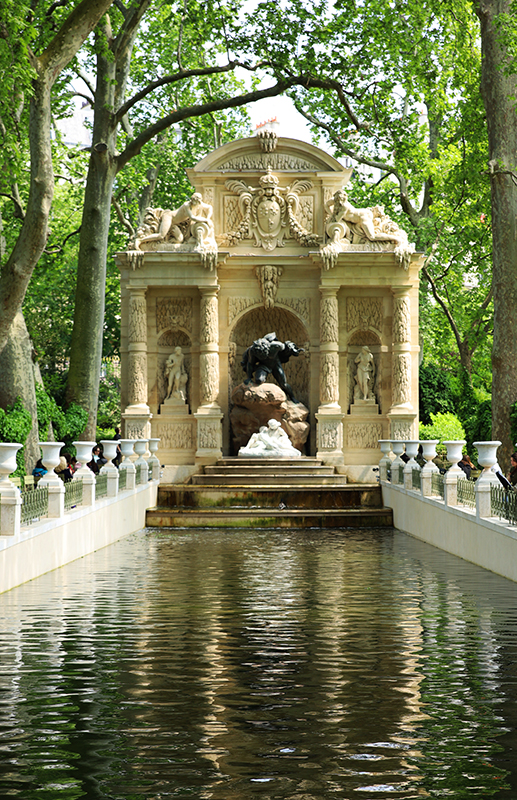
[(84, 455), (412, 451), (141, 449), (127, 449), (109, 449), (429, 452), (487, 457), (454, 451), (50, 460), (397, 445), (385, 462), (8, 464), (153, 462)]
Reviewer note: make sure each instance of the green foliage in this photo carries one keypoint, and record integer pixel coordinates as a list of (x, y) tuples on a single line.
[(445, 427), (435, 392), (67, 425), (108, 416), (15, 426)]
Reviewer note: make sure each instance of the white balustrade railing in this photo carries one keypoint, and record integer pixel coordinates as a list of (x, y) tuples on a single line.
[(11, 498), (487, 458)]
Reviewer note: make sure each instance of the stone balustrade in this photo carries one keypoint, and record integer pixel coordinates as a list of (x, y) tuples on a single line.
[(487, 457), (53, 506)]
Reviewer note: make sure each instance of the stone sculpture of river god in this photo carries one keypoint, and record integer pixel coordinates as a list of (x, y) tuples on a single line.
[(265, 357), (253, 407), (270, 442)]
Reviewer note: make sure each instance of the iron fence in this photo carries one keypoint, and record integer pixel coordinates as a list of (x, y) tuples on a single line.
[(466, 493), (122, 479), (73, 494), (138, 476), (34, 504), (437, 484), (401, 474), (416, 479), (503, 503), (101, 486)]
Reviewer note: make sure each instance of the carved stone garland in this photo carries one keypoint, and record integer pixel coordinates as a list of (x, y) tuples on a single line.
[(268, 277)]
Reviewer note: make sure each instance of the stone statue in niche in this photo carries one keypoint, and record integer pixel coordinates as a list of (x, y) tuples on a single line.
[(176, 376), (348, 225), (269, 212), (364, 376), (270, 442), (265, 357), (191, 224)]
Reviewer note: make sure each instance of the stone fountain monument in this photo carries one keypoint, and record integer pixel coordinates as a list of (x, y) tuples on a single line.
[(270, 243)]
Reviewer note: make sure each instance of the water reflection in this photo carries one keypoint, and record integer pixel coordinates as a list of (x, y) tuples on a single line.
[(229, 665)]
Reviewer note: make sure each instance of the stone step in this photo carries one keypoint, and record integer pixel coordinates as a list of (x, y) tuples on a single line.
[(232, 460), (272, 479), (269, 518), (308, 497), (274, 470)]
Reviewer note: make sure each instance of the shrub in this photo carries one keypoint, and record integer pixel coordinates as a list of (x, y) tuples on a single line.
[(435, 390), (15, 425), (444, 427)]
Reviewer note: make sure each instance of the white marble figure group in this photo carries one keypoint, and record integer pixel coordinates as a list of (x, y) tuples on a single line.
[(270, 442)]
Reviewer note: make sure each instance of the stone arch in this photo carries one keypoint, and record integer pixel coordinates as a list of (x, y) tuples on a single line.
[(356, 340), (168, 340), (258, 321)]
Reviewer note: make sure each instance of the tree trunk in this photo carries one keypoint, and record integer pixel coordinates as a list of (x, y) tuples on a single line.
[(86, 348), (499, 91), (17, 370)]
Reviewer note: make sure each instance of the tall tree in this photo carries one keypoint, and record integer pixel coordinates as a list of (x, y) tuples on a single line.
[(499, 89)]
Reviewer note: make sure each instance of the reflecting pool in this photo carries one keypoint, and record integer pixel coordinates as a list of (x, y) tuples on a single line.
[(272, 664)]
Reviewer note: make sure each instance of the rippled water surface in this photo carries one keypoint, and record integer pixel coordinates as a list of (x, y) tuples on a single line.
[(235, 664)]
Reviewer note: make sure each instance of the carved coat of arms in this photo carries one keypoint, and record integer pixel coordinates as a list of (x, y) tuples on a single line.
[(269, 212)]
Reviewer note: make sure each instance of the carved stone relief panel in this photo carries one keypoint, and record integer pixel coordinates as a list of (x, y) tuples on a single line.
[(172, 312), (401, 319), (364, 435), (238, 304), (261, 161), (175, 436), (301, 305), (137, 378), (330, 435), (209, 435), (329, 378), (363, 312), (232, 214), (136, 429), (402, 429), (208, 195), (209, 377), (137, 331), (401, 378), (329, 331), (306, 213)]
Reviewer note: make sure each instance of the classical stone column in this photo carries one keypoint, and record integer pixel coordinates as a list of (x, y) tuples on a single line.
[(209, 414), (401, 412), (329, 416), (137, 415)]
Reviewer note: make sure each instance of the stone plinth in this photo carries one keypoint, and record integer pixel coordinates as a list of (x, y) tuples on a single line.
[(254, 406), (364, 408)]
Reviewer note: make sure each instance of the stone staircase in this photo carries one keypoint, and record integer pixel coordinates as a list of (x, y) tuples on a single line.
[(277, 493)]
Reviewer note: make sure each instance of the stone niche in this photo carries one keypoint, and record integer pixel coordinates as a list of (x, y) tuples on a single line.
[(266, 244)]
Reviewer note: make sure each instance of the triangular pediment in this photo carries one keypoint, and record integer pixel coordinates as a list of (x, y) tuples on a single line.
[(288, 155)]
